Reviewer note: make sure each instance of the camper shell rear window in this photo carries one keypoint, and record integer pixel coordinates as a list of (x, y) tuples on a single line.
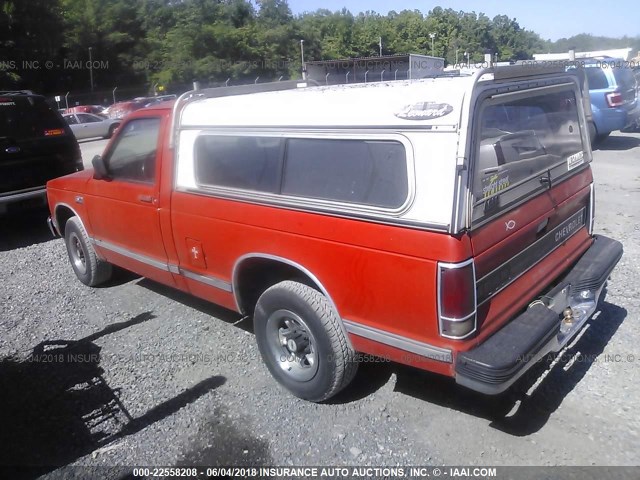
[(526, 142)]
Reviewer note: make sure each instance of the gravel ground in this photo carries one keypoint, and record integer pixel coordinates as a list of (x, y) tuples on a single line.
[(137, 374)]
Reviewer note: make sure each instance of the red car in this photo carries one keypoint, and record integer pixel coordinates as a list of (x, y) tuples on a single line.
[(95, 109), (122, 109), (443, 223)]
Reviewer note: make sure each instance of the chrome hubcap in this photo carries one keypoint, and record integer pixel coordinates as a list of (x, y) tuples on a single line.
[(292, 345), (77, 254)]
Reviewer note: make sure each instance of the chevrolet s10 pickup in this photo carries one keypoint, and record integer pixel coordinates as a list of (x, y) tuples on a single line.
[(444, 223)]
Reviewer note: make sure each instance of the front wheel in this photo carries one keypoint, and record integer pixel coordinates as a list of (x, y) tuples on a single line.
[(112, 130), (89, 269), (302, 341)]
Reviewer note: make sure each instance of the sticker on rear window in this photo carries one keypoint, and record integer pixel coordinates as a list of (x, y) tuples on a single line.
[(424, 111), (494, 184), (54, 132), (575, 160)]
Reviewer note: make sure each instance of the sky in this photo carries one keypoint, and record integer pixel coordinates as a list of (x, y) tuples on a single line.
[(551, 19)]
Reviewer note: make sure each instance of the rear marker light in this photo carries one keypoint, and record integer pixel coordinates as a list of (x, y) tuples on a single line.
[(614, 99), (457, 299)]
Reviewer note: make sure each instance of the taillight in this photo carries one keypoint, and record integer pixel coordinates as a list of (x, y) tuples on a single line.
[(457, 299), (614, 99)]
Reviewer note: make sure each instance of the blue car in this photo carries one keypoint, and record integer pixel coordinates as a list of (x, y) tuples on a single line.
[(613, 89)]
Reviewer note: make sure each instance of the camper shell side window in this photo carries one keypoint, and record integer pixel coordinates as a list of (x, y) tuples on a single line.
[(366, 172)]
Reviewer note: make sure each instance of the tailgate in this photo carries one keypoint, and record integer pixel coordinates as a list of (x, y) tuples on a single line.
[(512, 244)]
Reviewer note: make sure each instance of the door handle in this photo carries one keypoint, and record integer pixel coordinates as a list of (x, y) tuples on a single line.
[(145, 198), (542, 226)]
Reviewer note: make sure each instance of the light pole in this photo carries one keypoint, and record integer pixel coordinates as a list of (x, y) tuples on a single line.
[(457, 55), (466, 54), (304, 74), (91, 69), (432, 35)]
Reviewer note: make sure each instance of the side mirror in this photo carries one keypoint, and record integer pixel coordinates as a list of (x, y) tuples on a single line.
[(99, 168)]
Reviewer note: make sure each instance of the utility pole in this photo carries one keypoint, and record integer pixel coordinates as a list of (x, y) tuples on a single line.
[(91, 69), (432, 35), (304, 73), (380, 46)]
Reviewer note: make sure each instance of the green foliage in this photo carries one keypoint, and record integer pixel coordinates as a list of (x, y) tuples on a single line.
[(175, 42), (586, 43), (30, 35)]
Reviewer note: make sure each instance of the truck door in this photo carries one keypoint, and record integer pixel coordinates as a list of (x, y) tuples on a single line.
[(123, 209)]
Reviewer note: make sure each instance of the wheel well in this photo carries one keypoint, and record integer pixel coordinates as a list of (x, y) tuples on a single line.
[(255, 275), (62, 215)]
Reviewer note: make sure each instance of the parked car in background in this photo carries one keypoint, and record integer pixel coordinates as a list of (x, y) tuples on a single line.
[(151, 101), (613, 89), (88, 125), (120, 110), (36, 145), (95, 109), (636, 74)]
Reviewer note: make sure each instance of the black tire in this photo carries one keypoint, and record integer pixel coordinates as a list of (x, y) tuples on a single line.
[(302, 341), (89, 269), (112, 130), (602, 137)]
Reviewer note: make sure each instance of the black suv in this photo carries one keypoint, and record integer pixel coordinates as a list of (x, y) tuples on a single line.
[(36, 145)]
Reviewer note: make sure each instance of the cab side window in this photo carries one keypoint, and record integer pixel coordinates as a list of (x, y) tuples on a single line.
[(133, 157)]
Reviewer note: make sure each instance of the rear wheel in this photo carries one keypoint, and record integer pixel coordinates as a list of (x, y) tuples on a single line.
[(302, 341), (89, 269), (602, 136)]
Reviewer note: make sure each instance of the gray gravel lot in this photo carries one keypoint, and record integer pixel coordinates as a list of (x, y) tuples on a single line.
[(137, 374)]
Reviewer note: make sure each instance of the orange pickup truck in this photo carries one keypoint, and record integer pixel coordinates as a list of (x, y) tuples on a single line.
[(444, 223)]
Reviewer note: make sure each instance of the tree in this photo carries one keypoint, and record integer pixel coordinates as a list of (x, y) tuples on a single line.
[(30, 36), (114, 31), (175, 42)]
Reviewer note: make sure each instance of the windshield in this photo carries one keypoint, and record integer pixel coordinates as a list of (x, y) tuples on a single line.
[(526, 143), (27, 117)]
